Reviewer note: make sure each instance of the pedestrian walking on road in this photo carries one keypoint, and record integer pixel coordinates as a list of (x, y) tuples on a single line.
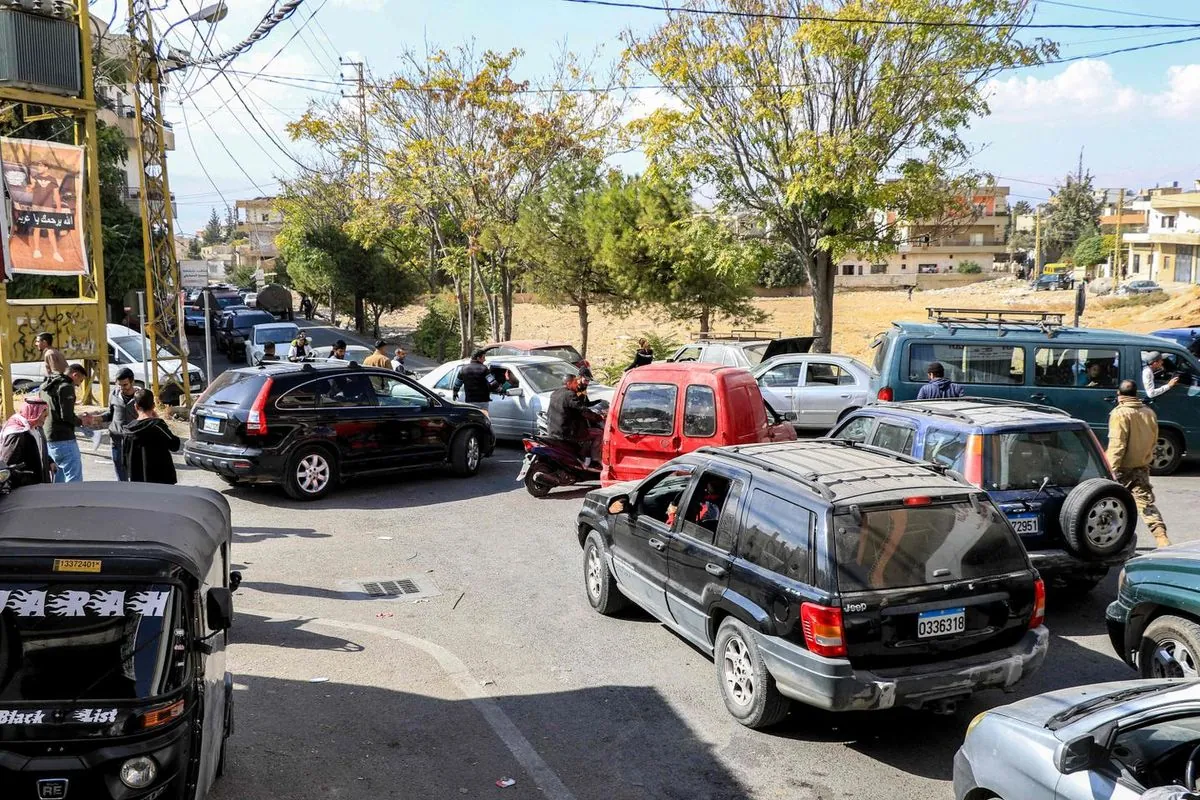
[(643, 356), (1132, 435), (23, 445), (59, 391), (120, 413), (398, 361), (379, 358), (53, 360), (268, 353), (939, 387), (149, 443), (475, 381)]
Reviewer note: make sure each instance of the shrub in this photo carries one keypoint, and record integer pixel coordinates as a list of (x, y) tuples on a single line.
[(436, 335), (1133, 300), (662, 345), (968, 268)]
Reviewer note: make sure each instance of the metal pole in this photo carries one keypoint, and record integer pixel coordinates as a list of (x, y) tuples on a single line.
[(1116, 259), (208, 362), (146, 342)]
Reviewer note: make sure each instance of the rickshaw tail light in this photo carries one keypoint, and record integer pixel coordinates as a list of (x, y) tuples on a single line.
[(161, 716), (256, 420)]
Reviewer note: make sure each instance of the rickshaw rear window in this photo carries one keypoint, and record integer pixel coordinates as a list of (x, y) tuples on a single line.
[(62, 641)]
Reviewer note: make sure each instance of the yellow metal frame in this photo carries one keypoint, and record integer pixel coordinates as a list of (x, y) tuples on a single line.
[(86, 315)]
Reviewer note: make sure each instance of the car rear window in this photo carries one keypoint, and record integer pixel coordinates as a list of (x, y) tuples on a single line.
[(565, 353), (1023, 460), (648, 408), (969, 363), (892, 548), (233, 388), (251, 319)]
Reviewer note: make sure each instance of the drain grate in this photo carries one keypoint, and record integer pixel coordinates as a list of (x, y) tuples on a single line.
[(413, 588)]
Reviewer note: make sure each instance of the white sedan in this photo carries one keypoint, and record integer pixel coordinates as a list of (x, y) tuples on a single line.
[(515, 414), (814, 390)]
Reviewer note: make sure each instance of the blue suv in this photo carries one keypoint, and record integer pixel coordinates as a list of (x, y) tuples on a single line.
[(1043, 468)]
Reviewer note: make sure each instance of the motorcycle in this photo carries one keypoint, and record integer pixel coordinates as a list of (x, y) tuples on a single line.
[(552, 462)]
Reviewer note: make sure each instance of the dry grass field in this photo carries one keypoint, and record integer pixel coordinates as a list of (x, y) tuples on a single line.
[(858, 315)]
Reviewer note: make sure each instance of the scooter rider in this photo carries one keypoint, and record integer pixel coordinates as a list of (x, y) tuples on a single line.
[(299, 350), (566, 420)]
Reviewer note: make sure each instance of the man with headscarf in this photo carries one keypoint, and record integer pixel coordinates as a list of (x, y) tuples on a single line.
[(23, 446)]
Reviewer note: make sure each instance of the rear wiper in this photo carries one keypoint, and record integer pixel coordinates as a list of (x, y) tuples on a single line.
[(1074, 712), (1042, 488)]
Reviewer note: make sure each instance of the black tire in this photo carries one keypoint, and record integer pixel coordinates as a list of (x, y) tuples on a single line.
[(320, 470), (1098, 518), (598, 582), (1168, 453), (1180, 637), (533, 485), (748, 689), (466, 453)]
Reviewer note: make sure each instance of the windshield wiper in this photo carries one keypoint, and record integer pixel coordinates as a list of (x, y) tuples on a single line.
[(1074, 712)]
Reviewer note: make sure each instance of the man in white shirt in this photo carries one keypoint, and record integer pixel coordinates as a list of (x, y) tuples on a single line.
[(1153, 361)]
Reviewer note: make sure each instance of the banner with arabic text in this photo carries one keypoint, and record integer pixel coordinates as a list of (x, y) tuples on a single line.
[(45, 185)]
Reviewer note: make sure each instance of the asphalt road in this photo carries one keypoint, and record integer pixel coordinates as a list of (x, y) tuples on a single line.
[(504, 671)]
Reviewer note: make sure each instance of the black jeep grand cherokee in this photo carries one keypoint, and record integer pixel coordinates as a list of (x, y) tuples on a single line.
[(821, 571), (309, 426)]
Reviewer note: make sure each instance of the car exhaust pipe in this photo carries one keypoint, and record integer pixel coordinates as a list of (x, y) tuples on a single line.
[(944, 708)]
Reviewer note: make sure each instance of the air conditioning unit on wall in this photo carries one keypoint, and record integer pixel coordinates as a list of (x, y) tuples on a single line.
[(39, 52)]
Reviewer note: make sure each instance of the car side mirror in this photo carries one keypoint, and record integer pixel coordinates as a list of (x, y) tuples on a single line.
[(516, 391), (1076, 755), (219, 606), (235, 580), (619, 504)]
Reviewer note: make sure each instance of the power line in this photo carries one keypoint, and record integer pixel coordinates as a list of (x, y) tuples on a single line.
[(275, 15), (728, 12), (1136, 14)]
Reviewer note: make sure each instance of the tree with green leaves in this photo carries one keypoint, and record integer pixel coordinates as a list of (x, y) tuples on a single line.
[(231, 225), (1074, 215), (214, 233), (820, 115), (193, 251), (1090, 251)]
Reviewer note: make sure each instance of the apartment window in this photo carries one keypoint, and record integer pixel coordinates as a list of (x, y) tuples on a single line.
[(847, 269), (1168, 222), (879, 269), (266, 217), (976, 239)]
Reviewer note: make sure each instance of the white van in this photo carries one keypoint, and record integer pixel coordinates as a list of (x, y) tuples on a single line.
[(124, 350)]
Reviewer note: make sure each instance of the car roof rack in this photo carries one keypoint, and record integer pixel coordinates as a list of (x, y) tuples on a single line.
[(809, 481), (1003, 319), (743, 335), (983, 401)]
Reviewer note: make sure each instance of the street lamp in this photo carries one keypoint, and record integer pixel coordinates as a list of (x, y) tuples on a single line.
[(212, 14)]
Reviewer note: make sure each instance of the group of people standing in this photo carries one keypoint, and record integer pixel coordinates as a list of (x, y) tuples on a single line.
[(38, 442)]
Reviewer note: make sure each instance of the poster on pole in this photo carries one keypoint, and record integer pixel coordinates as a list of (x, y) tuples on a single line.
[(5, 211), (45, 184)]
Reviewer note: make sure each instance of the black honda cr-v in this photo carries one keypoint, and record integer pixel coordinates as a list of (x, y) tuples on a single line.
[(309, 426)]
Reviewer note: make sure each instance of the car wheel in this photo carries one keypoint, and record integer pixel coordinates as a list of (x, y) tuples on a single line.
[(1179, 637), (465, 453), (311, 474), (536, 487), (601, 586), (748, 689), (23, 387), (1168, 452), (1098, 518)]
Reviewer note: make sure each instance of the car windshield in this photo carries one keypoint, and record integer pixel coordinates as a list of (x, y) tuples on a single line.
[(224, 301), (566, 353), (891, 548), (251, 319), (1024, 460), (547, 377), (276, 335), (133, 346), (62, 641)]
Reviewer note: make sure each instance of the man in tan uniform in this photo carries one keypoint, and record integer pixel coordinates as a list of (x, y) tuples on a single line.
[(380, 357), (1132, 434)]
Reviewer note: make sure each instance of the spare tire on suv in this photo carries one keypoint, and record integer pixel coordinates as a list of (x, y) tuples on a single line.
[(1098, 518)]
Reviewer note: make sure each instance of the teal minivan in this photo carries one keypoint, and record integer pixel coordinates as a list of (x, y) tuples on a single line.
[(1032, 357)]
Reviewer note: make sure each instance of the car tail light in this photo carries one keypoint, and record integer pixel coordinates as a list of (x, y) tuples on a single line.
[(973, 462), (918, 501), (256, 420), (1039, 604), (823, 632), (161, 716), (529, 445), (885, 394)]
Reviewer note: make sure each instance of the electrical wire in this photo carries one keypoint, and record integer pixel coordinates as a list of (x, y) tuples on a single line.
[(275, 15), (729, 12), (1136, 14)]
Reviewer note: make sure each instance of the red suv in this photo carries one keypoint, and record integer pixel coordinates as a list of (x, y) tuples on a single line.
[(533, 347), (663, 410)]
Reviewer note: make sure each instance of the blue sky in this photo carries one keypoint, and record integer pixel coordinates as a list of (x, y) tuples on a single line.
[(1135, 115)]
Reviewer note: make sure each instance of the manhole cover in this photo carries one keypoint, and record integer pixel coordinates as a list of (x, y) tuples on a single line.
[(402, 588)]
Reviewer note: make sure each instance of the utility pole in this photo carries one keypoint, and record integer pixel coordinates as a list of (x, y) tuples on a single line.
[(360, 83), (1116, 261), (1037, 244)]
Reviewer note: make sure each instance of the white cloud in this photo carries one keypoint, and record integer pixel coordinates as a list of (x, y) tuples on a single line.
[(1084, 86), (1182, 96)]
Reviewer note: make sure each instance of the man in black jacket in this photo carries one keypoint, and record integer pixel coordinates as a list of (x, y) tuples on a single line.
[(120, 413), (59, 391), (566, 420), (149, 443), (475, 381)]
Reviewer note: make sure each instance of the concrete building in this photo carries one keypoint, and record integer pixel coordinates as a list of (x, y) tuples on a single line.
[(260, 222), (1167, 250), (930, 246)]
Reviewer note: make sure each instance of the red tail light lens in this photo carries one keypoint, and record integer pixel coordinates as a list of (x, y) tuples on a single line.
[(918, 501), (823, 632), (528, 445), (885, 394), (1039, 604), (256, 420), (973, 461)]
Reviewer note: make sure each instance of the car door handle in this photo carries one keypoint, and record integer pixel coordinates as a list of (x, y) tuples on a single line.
[(715, 569), (1112, 401), (1039, 397), (658, 544), (844, 395)]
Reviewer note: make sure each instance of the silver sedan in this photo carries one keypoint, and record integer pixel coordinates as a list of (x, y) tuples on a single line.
[(514, 414), (813, 390), (1117, 741)]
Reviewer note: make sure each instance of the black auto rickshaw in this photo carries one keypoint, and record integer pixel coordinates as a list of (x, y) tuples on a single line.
[(115, 599)]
